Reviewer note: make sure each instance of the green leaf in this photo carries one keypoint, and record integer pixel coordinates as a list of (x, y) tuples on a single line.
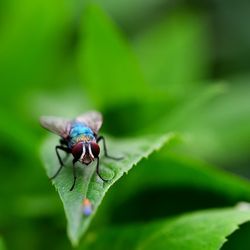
[(31, 44), (173, 52), (205, 115), (107, 65), (167, 176), (212, 137), (239, 239), (206, 230), (89, 185), (31, 48), (184, 114), (22, 135), (2, 246)]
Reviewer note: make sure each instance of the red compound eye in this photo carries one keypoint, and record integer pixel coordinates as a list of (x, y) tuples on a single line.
[(77, 150), (95, 149)]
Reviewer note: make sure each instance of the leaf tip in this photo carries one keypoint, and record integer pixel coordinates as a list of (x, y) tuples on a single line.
[(73, 239)]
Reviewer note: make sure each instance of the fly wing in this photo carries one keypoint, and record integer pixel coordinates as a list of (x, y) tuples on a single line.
[(57, 125), (92, 119)]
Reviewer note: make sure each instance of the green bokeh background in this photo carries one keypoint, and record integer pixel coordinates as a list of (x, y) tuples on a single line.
[(150, 67)]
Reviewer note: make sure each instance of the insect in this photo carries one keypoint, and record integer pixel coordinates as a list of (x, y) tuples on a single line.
[(79, 137)]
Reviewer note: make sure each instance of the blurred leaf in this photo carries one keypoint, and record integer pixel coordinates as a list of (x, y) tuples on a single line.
[(205, 115), (206, 230), (216, 122), (14, 132), (30, 46), (232, 37), (168, 184), (173, 52), (31, 49), (2, 247), (131, 14), (109, 70), (184, 114), (88, 184), (221, 130)]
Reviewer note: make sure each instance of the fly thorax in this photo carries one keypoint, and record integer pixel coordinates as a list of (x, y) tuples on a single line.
[(81, 138)]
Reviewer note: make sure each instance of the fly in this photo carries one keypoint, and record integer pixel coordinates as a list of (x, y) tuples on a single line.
[(80, 138)]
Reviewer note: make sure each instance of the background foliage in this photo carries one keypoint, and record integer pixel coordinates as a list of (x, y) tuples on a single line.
[(151, 68)]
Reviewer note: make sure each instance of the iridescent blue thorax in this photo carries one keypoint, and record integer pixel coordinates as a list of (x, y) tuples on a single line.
[(80, 132)]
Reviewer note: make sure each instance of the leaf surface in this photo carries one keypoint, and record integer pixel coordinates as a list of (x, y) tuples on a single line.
[(207, 229), (88, 184)]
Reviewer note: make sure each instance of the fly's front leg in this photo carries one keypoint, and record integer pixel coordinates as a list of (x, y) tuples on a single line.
[(98, 170), (74, 174), (105, 149), (60, 159)]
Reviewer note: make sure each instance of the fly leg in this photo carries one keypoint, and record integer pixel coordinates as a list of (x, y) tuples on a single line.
[(74, 174), (60, 160), (105, 149), (64, 143), (98, 170)]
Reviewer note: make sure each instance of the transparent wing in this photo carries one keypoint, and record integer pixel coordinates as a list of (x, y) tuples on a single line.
[(57, 125), (92, 119)]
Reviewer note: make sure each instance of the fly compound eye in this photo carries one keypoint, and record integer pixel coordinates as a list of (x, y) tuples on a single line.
[(77, 150), (95, 149)]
